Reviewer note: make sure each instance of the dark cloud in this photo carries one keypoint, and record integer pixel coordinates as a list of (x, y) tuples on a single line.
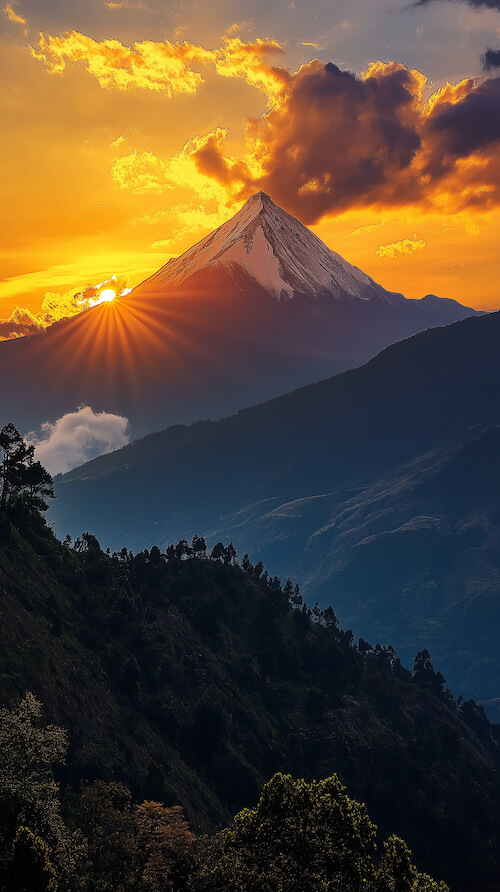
[(475, 4), (470, 125), (491, 59), (334, 141), (339, 139)]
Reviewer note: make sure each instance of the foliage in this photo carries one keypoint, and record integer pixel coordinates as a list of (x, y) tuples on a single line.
[(103, 812), (35, 837), (303, 837), (192, 680), (164, 840), (22, 478), (307, 837)]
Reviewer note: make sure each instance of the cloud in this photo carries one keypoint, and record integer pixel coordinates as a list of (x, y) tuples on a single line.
[(491, 59), (327, 141), (58, 306), (159, 67), (402, 248), (475, 4), (461, 136), (200, 166), (162, 67), (13, 16), (78, 437), (332, 141), (127, 4), (238, 27), (20, 322)]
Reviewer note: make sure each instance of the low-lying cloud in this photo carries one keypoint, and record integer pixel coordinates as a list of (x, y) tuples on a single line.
[(78, 437)]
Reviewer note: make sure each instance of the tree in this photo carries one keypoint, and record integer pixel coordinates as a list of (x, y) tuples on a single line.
[(296, 599), (164, 841), (32, 830), (397, 873), (16, 456), (39, 486), (218, 552), (198, 546), (307, 837), (246, 564), (423, 673), (302, 837), (21, 477), (31, 866), (230, 555), (106, 817)]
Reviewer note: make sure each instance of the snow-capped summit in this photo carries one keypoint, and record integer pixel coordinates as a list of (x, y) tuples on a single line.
[(275, 250)]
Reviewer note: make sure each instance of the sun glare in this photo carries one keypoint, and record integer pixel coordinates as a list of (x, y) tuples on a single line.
[(107, 294)]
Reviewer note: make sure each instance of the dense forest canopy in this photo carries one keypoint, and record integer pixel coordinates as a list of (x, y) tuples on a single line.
[(185, 679)]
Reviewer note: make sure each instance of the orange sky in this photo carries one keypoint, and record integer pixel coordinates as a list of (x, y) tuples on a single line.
[(125, 144)]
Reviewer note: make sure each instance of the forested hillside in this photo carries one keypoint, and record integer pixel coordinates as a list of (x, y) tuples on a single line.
[(191, 679), (380, 484)]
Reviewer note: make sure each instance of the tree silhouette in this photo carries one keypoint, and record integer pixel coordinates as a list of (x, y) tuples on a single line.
[(22, 479)]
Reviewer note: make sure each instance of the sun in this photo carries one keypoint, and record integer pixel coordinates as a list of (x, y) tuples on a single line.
[(106, 295)]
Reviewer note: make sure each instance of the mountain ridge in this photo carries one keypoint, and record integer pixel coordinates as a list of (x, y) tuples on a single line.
[(274, 477)]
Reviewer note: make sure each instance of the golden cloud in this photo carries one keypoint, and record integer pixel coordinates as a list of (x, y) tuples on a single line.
[(401, 249), (192, 168), (331, 141), (165, 68), (13, 16), (328, 140), (238, 27), (160, 67), (126, 4), (56, 307), (245, 61)]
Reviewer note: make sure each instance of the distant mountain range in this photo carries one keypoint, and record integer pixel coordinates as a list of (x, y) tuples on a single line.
[(377, 490), (257, 308)]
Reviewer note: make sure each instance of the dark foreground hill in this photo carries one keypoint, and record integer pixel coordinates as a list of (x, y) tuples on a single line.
[(379, 485), (192, 680)]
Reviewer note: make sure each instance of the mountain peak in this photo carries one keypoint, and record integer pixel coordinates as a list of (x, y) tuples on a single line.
[(275, 250), (261, 198)]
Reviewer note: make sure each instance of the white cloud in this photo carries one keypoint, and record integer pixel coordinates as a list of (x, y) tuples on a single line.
[(78, 437)]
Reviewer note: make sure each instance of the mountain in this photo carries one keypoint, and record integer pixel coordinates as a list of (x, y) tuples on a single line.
[(375, 488), (257, 308), (192, 680)]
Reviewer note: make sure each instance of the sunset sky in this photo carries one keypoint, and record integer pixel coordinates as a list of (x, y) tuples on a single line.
[(131, 128)]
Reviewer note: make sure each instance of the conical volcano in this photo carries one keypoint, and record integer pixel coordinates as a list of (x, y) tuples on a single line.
[(258, 307), (276, 251), (278, 254)]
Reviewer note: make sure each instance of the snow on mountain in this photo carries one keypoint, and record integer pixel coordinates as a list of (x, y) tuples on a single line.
[(276, 250)]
